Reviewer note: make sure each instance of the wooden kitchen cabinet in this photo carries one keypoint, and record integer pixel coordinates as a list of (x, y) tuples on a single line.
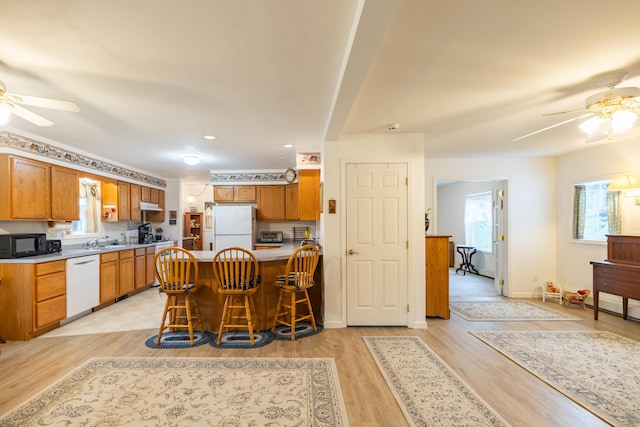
[(32, 299), (126, 272), (235, 193), (65, 193), (291, 202), (437, 276), (109, 277), (193, 228), (135, 214), (157, 216), (271, 203), (309, 194), (140, 268), (150, 275), (124, 202), (109, 194), (26, 190), (145, 194)]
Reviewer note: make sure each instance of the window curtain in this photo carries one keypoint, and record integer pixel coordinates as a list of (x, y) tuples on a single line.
[(614, 213), (91, 192), (579, 210)]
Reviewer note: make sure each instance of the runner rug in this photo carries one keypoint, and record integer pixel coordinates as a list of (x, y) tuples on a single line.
[(190, 391), (426, 389), (598, 370), (505, 310)]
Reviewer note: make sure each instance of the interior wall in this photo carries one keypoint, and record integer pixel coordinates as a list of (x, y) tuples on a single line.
[(603, 161), (451, 198), (531, 198), (393, 148)]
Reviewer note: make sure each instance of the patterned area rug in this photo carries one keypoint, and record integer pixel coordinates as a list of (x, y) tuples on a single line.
[(427, 390), (190, 391), (503, 310), (283, 333), (598, 370)]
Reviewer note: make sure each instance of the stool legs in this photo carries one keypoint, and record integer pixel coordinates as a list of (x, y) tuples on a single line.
[(173, 307), (238, 302), (284, 309)]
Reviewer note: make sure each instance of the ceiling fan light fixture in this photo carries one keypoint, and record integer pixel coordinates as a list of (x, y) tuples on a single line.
[(191, 160), (589, 126), (622, 120)]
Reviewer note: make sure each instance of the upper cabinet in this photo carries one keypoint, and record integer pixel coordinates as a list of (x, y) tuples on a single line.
[(235, 193), (37, 190), (271, 203), (157, 216), (135, 214), (309, 194), (124, 201)]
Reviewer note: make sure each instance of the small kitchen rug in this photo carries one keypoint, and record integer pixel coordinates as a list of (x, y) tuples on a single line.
[(427, 390), (179, 339), (190, 391), (505, 311), (241, 339), (283, 333)]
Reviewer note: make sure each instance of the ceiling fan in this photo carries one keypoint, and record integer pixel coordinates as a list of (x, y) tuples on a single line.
[(11, 103), (612, 111)]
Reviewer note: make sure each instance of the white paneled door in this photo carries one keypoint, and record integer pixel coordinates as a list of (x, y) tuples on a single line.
[(377, 242)]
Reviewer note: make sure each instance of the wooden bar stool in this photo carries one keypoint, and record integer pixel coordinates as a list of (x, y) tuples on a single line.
[(297, 279), (177, 273), (236, 270)]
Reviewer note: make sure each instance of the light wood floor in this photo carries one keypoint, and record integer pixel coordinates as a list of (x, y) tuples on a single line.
[(521, 398)]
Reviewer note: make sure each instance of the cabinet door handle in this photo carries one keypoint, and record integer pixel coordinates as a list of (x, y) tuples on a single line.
[(351, 252)]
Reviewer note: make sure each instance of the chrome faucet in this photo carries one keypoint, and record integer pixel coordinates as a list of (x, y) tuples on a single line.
[(92, 243)]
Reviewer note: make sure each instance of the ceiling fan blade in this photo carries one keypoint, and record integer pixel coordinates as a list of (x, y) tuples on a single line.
[(55, 104), (566, 112), (30, 116), (553, 126)]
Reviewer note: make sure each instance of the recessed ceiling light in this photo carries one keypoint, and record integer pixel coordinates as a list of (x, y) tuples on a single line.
[(287, 145), (191, 160), (210, 137)]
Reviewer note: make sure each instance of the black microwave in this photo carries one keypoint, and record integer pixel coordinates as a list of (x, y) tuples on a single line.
[(21, 245)]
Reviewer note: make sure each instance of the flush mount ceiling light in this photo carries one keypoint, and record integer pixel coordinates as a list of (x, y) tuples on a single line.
[(287, 145), (191, 160), (210, 137)]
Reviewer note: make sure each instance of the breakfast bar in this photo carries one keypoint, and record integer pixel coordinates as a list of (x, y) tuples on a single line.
[(271, 262)]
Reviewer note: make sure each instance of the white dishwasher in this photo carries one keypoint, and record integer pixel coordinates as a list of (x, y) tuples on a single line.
[(83, 284)]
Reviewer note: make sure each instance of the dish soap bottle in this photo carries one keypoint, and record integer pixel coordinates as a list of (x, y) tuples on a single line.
[(307, 234)]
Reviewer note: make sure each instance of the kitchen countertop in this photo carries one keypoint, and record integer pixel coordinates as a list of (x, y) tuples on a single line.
[(72, 253), (284, 251)]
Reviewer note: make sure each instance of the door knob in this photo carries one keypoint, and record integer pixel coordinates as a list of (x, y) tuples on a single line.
[(351, 252)]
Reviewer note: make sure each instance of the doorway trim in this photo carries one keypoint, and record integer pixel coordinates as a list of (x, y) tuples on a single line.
[(507, 184)]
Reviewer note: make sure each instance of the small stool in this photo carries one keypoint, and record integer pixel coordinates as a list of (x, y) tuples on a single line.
[(551, 289), (577, 297), (466, 252)]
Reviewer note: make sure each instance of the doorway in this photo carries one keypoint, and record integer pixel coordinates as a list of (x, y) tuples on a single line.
[(451, 201)]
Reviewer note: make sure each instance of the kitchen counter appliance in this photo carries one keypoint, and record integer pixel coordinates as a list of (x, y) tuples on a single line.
[(83, 284), (270, 237), (145, 233), (22, 245)]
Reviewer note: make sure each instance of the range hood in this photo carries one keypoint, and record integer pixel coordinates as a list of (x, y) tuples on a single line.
[(146, 206)]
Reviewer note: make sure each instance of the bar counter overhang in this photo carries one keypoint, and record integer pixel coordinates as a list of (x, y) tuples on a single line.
[(271, 262)]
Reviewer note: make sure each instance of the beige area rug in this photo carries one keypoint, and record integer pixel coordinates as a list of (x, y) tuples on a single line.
[(505, 310), (598, 370), (190, 392), (427, 390)]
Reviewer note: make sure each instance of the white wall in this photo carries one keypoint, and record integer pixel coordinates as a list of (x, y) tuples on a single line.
[(407, 148), (530, 199), (451, 200), (604, 161)]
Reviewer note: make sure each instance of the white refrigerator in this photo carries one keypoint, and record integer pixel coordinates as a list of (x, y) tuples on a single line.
[(235, 226)]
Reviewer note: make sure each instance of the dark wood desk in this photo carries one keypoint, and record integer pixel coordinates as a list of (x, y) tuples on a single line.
[(619, 274)]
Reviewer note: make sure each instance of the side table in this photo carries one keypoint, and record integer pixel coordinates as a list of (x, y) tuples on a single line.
[(466, 252)]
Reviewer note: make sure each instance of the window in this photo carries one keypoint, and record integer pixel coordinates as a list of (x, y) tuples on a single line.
[(89, 222), (596, 211), (478, 221)]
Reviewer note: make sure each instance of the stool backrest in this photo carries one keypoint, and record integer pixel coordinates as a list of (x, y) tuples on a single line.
[(301, 266), (236, 270), (176, 269)]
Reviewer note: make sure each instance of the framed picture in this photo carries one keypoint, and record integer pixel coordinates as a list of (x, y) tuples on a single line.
[(173, 215)]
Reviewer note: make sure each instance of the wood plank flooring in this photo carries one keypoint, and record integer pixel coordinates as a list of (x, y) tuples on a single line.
[(521, 398)]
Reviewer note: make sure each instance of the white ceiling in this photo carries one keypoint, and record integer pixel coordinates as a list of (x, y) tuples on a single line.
[(153, 77)]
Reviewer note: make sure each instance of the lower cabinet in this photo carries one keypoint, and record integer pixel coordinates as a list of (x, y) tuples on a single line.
[(144, 267), (126, 270), (150, 266), (32, 299), (108, 277)]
